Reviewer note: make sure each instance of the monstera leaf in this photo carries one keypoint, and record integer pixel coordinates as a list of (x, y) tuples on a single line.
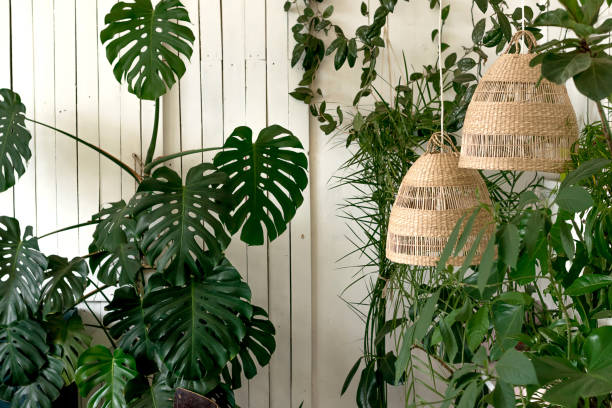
[(14, 139), (65, 282), (21, 271), (108, 373), (68, 333), (172, 216), (258, 343), (126, 320), (199, 327), (44, 390), (143, 43), (22, 351), (266, 178), (142, 394), (118, 266), (114, 227)]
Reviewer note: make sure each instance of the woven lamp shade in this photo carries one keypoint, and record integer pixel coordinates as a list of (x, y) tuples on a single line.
[(514, 123), (435, 193)]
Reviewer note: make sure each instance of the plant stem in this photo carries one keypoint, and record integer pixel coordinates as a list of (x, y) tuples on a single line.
[(100, 289), (606, 125), (108, 336), (153, 143), (104, 153), (84, 224), (159, 160), (93, 292)]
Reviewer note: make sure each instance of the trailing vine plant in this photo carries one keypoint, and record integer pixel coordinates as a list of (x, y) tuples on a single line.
[(181, 314)]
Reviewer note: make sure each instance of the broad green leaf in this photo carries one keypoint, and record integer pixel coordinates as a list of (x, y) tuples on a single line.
[(22, 351), (549, 368), (598, 350), (533, 232), (574, 199), (503, 395), (450, 245), (590, 11), (574, 9), (266, 178), (125, 318), (555, 18), (449, 341), (595, 82), (115, 225), (172, 217), (146, 44), (509, 245), (470, 395), (21, 271), (477, 328), (67, 332), (482, 5), (198, 328), (140, 393), (586, 169), (14, 139), (366, 390), (478, 31), (43, 390), (516, 368), (106, 374), (567, 240), (558, 68), (65, 282), (118, 266), (508, 322)]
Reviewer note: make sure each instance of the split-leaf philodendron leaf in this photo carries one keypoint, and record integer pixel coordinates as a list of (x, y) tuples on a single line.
[(22, 352), (266, 178), (65, 282), (14, 139), (146, 44)]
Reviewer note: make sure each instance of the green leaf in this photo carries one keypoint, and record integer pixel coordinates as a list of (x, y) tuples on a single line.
[(139, 393), (14, 139), (574, 199), (449, 341), (509, 245), (516, 368), (594, 82), (508, 322), (146, 44), (65, 282), (67, 332), (350, 375), (598, 350), (477, 328), (535, 224), (341, 54), (590, 11), (21, 271), (115, 225), (118, 266), (198, 328), (450, 245), (503, 395), (470, 395), (172, 216), (574, 8), (125, 318), (107, 373), (266, 178), (587, 284), (22, 352), (486, 265), (482, 5), (366, 390), (558, 68), (43, 390), (586, 170), (567, 240), (555, 18), (328, 11)]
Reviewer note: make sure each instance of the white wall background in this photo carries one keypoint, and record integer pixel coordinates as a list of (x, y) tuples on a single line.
[(239, 74)]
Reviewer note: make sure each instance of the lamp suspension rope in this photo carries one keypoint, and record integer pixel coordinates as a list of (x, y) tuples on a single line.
[(440, 23)]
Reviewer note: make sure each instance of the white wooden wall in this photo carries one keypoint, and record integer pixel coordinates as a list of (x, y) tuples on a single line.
[(239, 75)]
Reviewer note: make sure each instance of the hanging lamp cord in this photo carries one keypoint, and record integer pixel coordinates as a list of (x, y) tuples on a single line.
[(440, 68)]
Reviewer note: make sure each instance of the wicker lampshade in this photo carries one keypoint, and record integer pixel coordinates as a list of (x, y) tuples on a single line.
[(518, 120), (435, 193)]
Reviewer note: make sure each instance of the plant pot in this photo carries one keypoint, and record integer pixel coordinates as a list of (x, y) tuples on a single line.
[(69, 397), (188, 399)]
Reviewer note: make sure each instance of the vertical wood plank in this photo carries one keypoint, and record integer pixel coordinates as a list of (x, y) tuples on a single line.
[(109, 116), (44, 82), (87, 119), (279, 249), (6, 197), (233, 38), (130, 139), (65, 119), (172, 126), (256, 115)]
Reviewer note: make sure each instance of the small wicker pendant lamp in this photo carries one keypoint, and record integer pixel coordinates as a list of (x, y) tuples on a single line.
[(518, 120), (435, 193)]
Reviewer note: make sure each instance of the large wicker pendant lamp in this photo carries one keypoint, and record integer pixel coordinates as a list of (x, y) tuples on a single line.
[(434, 195), (518, 120)]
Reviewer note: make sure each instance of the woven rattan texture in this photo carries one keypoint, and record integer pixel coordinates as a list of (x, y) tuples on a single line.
[(514, 123), (435, 193)]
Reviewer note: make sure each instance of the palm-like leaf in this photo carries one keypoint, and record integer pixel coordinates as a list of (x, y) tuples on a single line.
[(65, 282), (126, 318), (14, 139), (258, 343), (21, 271), (142, 394), (44, 390), (67, 331), (172, 216), (266, 177), (98, 367), (143, 43), (198, 328), (22, 351)]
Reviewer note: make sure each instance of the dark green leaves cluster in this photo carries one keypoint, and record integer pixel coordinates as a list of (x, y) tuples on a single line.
[(14, 139)]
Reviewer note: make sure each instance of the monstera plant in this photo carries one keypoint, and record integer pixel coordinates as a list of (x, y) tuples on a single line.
[(181, 314)]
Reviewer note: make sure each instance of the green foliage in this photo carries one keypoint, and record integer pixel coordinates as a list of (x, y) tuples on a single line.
[(263, 176), (65, 282), (140, 393), (105, 373), (23, 349), (43, 390), (143, 42), (14, 139)]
